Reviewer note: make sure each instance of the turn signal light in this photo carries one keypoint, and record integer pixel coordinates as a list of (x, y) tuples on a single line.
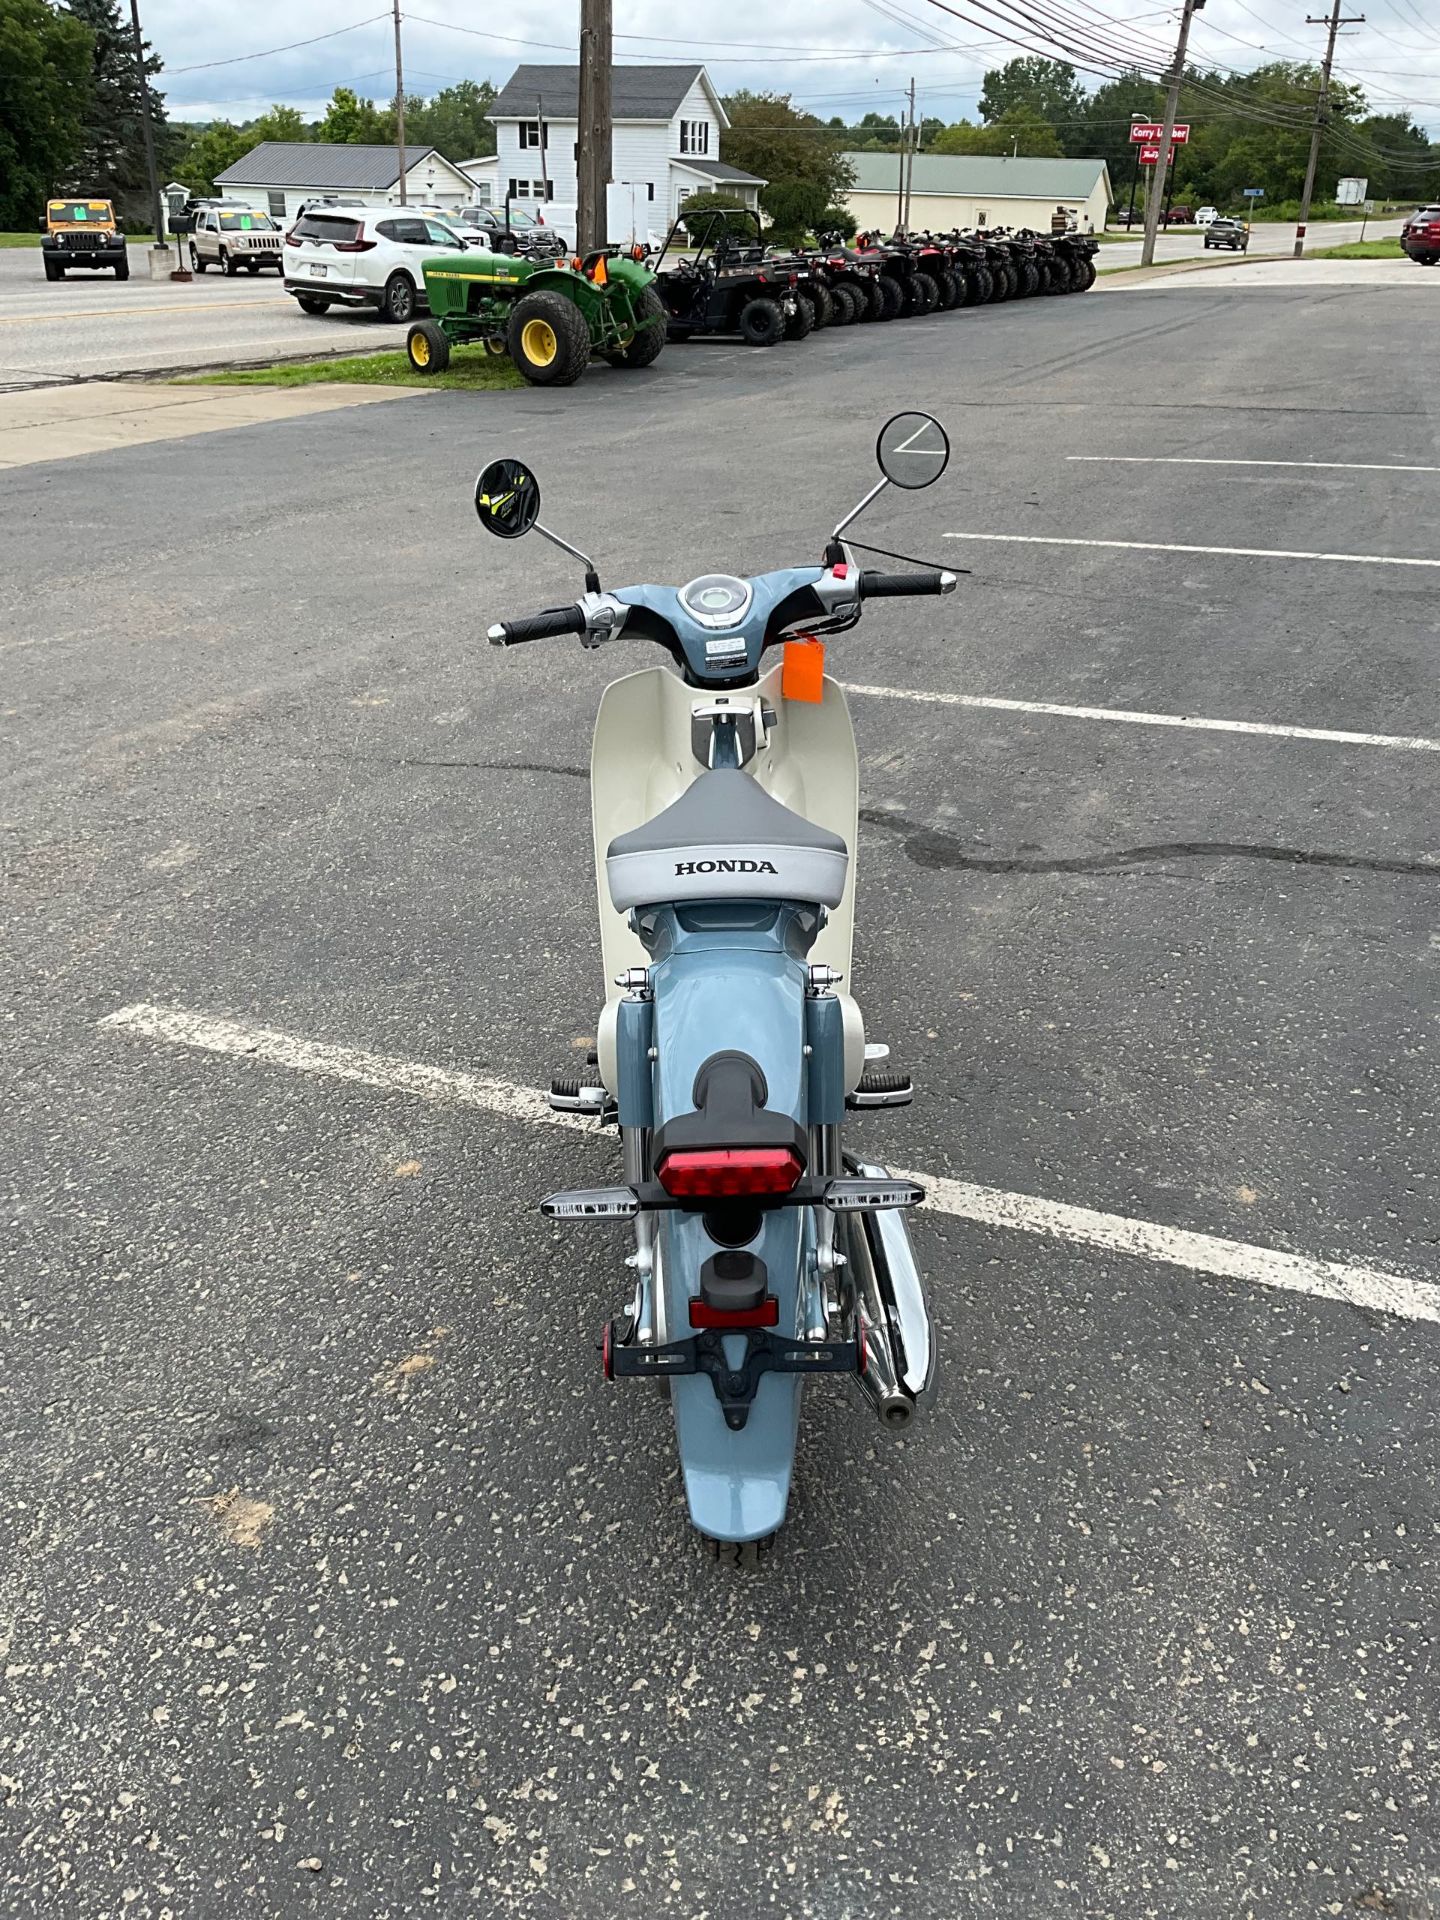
[(728, 1173)]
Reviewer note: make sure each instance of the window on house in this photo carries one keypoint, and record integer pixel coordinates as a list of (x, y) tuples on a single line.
[(649, 189), (277, 205), (532, 189), (981, 218), (694, 136), (532, 135), (484, 193)]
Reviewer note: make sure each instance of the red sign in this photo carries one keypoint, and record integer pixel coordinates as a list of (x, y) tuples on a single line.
[(1180, 133), (1149, 156), (1146, 134)]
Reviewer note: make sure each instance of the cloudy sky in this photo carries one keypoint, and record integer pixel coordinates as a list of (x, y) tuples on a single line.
[(833, 56)]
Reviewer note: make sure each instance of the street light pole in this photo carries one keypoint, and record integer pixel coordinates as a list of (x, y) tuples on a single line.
[(157, 213), (1155, 194)]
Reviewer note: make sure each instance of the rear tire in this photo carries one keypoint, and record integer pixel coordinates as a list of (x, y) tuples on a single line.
[(802, 322), (761, 323), (1087, 276), (397, 302), (308, 303), (549, 340), (122, 269), (649, 345), (893, 295), (824, 303), (979, 287), (946, 289), (873, 298), (427, 347), (846, 311), (197, 265), (53, 269)]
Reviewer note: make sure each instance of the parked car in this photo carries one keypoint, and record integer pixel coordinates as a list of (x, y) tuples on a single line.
[(1127, 217), (1180, 217), (1206, 216), (1420, 236), (1225, 232), (364, 257), (525, 233), (82, 233), (233, 237)]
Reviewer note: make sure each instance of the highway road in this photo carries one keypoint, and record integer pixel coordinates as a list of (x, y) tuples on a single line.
[(1274, 236)]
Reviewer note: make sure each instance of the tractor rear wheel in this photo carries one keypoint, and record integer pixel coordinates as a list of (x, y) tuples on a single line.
[(549, 340), (427, 347), (648, 344), (761, 322), (802, 321)]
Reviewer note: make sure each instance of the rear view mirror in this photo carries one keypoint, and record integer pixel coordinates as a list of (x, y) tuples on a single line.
[(507, 499), (912, 450)]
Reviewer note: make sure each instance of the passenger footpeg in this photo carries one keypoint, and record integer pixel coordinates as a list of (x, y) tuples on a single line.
[(581, 1092), (880, 1087), (735, 1387)]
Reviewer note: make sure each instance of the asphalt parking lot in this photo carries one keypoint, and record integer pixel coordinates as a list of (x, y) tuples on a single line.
[(333, 1579)]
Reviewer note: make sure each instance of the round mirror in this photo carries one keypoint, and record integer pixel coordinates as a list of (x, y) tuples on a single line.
[(912, 450), (507, 498)]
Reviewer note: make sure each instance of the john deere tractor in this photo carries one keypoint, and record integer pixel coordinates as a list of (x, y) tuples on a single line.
[(551, 317)]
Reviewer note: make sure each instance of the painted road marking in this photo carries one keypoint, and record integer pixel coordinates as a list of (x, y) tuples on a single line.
[(1167, 546), (1331, 736), (1358, 1286), (124, 313), (1187, 460)]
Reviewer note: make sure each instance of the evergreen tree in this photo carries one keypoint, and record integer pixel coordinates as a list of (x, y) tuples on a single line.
[(111, 161), (44, 82)]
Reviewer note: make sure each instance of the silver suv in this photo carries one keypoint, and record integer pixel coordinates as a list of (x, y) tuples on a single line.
[(235, 237)]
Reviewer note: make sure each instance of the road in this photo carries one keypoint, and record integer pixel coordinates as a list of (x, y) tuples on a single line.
[(333, 1579), (92, 326), (1271, 236)]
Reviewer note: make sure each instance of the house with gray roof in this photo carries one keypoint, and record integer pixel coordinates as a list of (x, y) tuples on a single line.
[(279, 176), (951, 190), (665, 146)]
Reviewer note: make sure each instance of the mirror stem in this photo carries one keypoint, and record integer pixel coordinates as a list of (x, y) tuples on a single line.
[(592, 578), (855, 512)]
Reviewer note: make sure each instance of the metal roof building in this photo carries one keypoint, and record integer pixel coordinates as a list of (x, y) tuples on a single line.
[(278, 175), (978, 190)]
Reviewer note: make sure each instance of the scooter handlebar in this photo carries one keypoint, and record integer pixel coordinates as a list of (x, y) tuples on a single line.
[(893, 586), (540, 626)]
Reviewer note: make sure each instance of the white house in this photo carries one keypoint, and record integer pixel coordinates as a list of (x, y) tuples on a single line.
[(976, 190), (278, 176), (665, 144)]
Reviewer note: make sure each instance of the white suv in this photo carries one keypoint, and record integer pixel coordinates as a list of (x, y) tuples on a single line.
[(364, 257)]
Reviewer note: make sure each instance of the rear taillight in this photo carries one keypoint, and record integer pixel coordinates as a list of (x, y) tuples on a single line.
[(355, 246), (765, 1314), (292, 239), (728, 1173)]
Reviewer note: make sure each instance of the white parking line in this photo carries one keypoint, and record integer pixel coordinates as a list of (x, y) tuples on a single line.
[(1168, 546), (1195, 460), (1367, 1287), (1330, 736)]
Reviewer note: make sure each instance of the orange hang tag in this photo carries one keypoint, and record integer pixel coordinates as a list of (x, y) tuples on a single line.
[(802, 672)]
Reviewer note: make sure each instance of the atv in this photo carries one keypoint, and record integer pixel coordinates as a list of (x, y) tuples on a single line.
[(853, 284), (1078, 251), (729, 284), (895, 262), (551, 317)]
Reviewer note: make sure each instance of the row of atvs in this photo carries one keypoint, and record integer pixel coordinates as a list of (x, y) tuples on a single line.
[(735, 284)]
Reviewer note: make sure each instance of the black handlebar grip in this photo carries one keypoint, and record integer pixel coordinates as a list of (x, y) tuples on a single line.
[(892, 586), (540, 626)]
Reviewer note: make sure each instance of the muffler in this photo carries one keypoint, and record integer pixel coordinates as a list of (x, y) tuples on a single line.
[(899, 1340)]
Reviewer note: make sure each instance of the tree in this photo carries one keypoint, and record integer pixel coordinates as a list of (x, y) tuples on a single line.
[(353, 121), (1104, 132), (206, 151), (791, 151), (280, 123), (457, 120), (44, 82), (704, 203), (1047, 88), (111, 161), (1018, 131)]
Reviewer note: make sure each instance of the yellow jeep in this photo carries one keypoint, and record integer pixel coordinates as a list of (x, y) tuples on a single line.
[(82, 233)]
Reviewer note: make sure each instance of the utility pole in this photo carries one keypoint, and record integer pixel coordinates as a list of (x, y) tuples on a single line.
[(900, 200), (400, 150), (1321, 112), (594, 155), (914, 142), (157, 213), (540, 136), (1155, 193)]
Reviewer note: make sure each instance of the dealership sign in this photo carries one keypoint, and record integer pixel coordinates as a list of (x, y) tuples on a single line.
[(1149, 133)]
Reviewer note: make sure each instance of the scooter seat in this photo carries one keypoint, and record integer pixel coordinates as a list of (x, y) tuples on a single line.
[(726, 838)]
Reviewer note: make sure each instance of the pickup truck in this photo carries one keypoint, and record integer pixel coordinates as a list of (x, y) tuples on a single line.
[(82, 233)]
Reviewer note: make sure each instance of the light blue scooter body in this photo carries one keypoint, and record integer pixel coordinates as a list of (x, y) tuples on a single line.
[(720, 984)]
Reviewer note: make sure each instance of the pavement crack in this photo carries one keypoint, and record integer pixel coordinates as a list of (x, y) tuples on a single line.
[(930, 847)]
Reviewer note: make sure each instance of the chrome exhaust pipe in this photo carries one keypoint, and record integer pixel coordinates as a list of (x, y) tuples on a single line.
[(902, 1293), (879, 1373)]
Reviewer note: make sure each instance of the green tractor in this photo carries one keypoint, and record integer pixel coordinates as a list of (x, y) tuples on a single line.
[(549, 316)]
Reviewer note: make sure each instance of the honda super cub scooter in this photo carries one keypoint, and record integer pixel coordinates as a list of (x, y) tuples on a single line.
[(724, 794)]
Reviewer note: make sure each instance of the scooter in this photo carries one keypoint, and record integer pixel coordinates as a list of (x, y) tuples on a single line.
[(724, 806)]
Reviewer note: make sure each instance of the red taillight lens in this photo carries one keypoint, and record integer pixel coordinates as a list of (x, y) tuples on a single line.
[(767, 1314), (728, 1173), (292, 239), (355, 246)]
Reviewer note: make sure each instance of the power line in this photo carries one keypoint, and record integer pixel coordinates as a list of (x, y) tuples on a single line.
[(202, 66)]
